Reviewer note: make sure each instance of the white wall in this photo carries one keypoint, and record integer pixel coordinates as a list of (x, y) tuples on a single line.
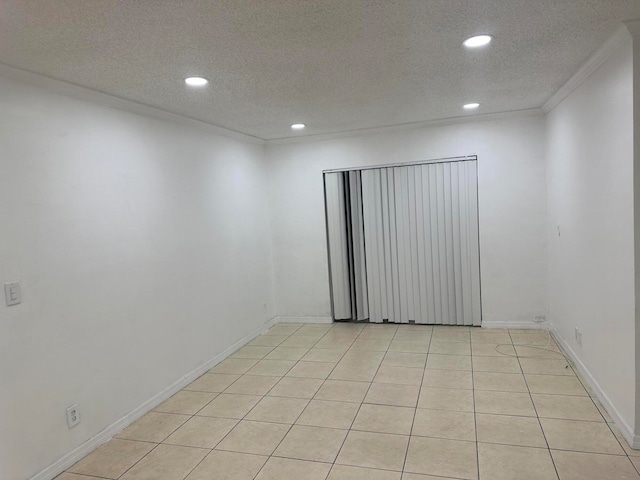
[(512, 209), (591, 263), (143, 250)]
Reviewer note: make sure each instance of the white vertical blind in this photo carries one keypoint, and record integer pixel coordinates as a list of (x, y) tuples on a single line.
[(412, 252), (338, 250)]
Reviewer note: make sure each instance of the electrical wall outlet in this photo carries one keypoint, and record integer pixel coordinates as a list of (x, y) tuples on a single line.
[(73, 416), (12, 293), (578, 335), (539, 319)]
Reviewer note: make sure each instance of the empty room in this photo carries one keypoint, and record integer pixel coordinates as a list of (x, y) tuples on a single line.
[(320, 239)]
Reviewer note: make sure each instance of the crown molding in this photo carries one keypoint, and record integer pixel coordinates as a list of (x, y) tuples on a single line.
[(530, 112), (633, 27), (112, 101), (620, 36)]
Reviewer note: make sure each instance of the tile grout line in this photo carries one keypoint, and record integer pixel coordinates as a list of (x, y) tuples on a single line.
[(240, 420), (553, 462), (363, 398), (309, 401), (415, 410), (475, 414)]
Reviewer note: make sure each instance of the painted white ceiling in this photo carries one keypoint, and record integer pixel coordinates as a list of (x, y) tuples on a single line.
[(335, 65)]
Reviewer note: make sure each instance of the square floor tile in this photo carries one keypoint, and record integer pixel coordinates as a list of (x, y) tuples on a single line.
[(449, 362), (287, 353), (501, 382), (311, 370), (259, 438), (445, 458), (539, 339), (295, 387), (539, 352), (409, 346), (271, 367), (249, 351), (228, 405), (504, 403), (253, 385), (283, 329), (447, 379), (392, 394), (343, 391), (377, 345), (384, 419), (317, 444), (417, 476), (496, 364), (112, 459), (453, 399), (362, 358), (506, 462), (450, 348), (444, 424), (300, 341), (228, 466), (566, 407), (324, 413), (73, 476), (374, 450), (450, 335), (492, 350), (166, 462), (593, 466), (234, 365), (555, 384), (314, 330), (329, 355), (268, 340), (185, 402), (546, 366), (212, 382), (510, 430), (580, 436), (203, 432), (281, 468), (277, 410), (354, 372), (153, 427), (344, 472), (399, 375), (405, 359), (490, 337)]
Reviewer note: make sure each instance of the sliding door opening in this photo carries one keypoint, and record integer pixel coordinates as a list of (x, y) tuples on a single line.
[(403, 243)]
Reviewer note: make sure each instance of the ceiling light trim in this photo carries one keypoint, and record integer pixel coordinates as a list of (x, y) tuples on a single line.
[(601, 55), (79, 92), (486, 40)]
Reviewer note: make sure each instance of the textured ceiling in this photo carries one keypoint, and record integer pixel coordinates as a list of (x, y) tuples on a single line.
[(335, 65)]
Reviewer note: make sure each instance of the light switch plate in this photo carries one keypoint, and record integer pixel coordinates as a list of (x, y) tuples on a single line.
[(12, 293)]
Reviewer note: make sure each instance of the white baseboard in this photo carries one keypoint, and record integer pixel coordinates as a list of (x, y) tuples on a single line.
[(515, 324), (624, 427), (288, 319), (105, 435)]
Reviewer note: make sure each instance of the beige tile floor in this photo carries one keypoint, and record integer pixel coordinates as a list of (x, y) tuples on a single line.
[(375, 402)]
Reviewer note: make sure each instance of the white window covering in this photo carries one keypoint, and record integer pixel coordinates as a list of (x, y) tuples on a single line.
[(408, 251)]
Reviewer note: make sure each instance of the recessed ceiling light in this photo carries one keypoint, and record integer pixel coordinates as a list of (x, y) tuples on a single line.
[(471, 106), (477, 41), (196, 81), (298, 126)]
